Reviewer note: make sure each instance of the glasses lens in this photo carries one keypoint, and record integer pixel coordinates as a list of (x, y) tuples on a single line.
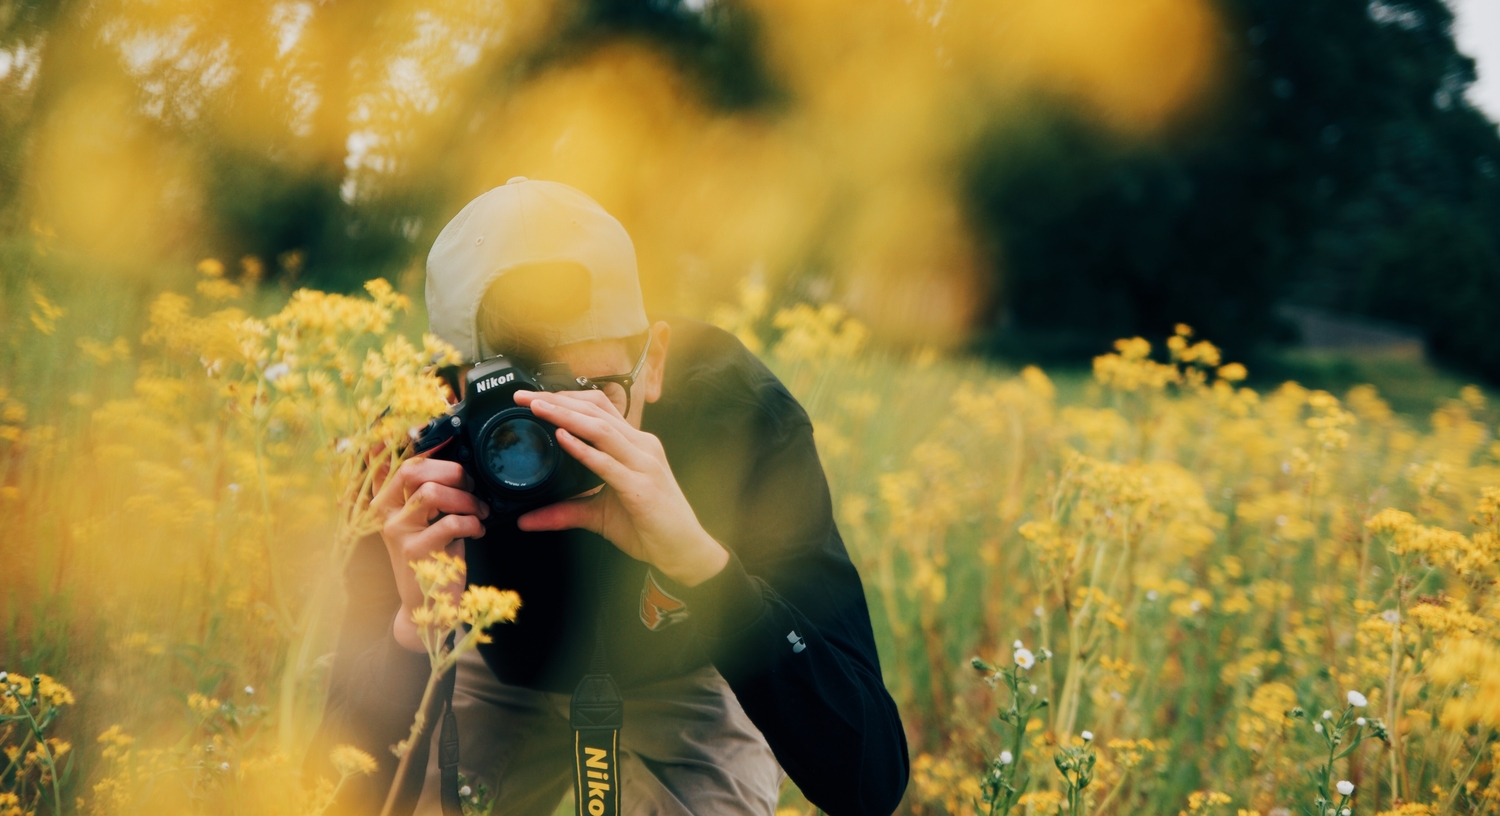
[(518, 453)]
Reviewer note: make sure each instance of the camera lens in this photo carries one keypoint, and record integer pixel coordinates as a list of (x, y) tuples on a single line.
[(518, 452)]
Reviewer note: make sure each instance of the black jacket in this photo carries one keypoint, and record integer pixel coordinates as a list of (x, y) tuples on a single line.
[(785, 623)]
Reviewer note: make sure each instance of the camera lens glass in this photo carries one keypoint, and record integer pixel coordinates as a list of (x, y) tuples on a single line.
[(518, 453)]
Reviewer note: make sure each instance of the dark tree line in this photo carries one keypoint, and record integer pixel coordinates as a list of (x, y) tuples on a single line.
[(1343, 170)]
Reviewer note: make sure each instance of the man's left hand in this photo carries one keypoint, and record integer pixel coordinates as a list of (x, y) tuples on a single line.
[(641, 509)]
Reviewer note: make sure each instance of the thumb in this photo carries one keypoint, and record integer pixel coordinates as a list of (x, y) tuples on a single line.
[(565, 515)]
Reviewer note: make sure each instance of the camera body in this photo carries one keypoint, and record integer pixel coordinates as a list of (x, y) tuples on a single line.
[(511, 454)]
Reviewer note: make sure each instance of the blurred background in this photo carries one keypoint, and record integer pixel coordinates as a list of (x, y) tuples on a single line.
[(1023, 178)]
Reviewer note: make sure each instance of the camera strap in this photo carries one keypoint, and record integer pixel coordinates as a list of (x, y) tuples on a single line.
[(597, 711)]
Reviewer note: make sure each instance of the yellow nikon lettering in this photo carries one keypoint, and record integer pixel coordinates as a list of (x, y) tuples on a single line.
[(598, 775), (597, 789), (596, 758)]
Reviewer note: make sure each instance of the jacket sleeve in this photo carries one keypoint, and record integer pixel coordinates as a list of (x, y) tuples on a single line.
[(374, 688), (787, 625)]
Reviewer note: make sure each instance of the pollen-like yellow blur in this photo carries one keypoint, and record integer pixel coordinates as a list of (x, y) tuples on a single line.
[(850, 166)]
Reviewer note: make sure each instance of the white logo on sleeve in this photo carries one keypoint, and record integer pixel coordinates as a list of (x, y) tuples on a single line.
[(796, 640)]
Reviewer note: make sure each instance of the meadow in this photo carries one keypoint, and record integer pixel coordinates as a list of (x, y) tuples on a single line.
[(1150, 589)]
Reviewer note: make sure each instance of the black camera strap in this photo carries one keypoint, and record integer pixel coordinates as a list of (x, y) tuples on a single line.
[(597, 711)]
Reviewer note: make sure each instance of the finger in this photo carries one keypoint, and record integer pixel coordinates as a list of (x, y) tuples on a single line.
[(580, 514), (412, 474), (596, 401), (603, 465), (603, 433), (433, 499), (440, 535)]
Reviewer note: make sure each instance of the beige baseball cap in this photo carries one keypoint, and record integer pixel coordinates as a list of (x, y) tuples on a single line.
[(529, 223)]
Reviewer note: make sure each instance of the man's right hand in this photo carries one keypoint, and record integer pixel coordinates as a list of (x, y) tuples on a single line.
[(427, 507)]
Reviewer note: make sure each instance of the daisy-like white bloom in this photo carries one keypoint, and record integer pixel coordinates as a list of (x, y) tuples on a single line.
[(1344, 812), (1359, 721), (1087, 735), (1033, 688), (1327, 715), (465, 790), (1345, 787), (249, 689), (1019, 645), (1024, 658), (1007, 757), (1318, 727), (1357, 700)]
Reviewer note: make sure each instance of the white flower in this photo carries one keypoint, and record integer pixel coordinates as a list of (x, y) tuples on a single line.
[(1033, 688), (1345, 787), (1025, 659), (1039, 612), (1087, 735), (343, 445), (1327, 715), (1360, 721), (249, 689), (465, 790), (277, 371), (1318, 727), (1018, 645), (1391, 616), (1357, 700), (1196, 606), (1046, 653), (1007, 757), (1344, 812), (1152, 595), (224, 766)]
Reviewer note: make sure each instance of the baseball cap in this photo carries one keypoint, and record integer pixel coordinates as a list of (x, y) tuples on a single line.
[(526, 224)]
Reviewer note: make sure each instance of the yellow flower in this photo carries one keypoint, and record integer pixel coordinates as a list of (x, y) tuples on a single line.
[(350, 761)]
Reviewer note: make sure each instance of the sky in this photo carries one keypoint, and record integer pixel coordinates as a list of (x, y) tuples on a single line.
[(1478, 33)]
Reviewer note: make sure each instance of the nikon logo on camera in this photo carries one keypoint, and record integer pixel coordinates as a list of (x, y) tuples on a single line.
[(490, 382)]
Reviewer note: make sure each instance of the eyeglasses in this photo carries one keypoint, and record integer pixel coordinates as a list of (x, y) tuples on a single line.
[(625, 381)]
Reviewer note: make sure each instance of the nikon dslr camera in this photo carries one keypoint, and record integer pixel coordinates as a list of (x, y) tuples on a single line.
[(511, 454)]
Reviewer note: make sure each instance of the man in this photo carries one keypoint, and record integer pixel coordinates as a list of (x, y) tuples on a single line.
[(708, 569)]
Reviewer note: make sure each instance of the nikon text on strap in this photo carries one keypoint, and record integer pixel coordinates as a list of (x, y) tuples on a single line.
[(597, 713)]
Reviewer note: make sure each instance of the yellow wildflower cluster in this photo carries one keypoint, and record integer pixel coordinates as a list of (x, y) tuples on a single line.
[(1205, 802), (1194, 553), (1167, 562), (29, 756)]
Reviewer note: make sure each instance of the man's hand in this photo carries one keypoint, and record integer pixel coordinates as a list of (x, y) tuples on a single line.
[(427, 507), (641, 508)]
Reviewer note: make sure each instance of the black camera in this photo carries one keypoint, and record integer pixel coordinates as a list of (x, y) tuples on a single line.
[(511, 453)]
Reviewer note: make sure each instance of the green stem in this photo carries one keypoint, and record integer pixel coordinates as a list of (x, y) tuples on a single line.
[(41, 743)]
